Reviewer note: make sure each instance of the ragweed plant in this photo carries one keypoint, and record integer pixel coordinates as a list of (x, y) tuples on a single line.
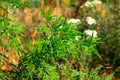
[(59, 40)]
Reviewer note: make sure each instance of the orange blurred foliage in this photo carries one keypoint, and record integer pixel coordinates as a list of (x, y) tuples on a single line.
[(11, 59), (3, 13)]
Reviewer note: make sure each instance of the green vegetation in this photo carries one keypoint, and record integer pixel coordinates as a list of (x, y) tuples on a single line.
[(58, 48)]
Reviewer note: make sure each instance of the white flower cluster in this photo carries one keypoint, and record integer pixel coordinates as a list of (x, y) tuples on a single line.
[(92, 33), (88, 4), (73, 21), (97, 2), (77, 37), (90, 20), (60, 27), (92, 3)]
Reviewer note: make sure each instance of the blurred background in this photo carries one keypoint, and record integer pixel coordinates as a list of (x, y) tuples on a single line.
[(105, 12)]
